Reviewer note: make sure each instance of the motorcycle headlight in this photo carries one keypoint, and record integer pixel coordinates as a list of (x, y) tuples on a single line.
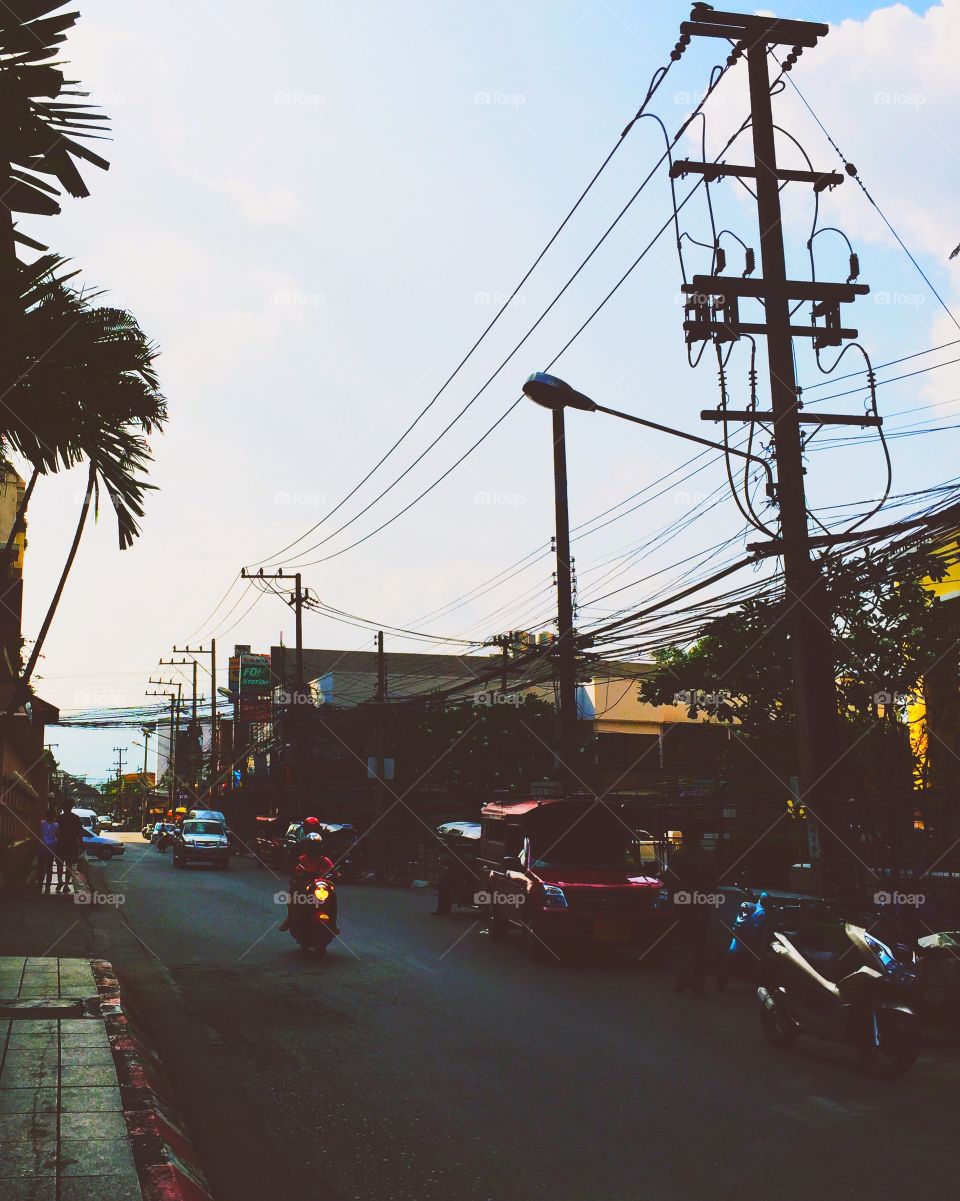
[(553, 897)]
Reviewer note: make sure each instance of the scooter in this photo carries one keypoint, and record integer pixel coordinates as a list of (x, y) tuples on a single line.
[(873, 1008), (314, 914)]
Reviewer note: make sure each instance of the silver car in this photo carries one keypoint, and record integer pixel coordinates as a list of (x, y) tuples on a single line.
[(201, 841)]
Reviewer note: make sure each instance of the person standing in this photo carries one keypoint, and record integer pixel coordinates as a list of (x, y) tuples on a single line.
[(49, 829), (69, 845), (693, 880)]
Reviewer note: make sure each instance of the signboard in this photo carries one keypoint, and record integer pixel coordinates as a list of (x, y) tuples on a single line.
[(255, 673), (251, 684), (255, 708)]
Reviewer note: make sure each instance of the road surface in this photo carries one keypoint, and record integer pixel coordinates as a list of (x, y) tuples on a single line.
[(420, 1060)]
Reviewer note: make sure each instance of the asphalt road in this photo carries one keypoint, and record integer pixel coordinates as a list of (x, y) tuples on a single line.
[(421, 1060)]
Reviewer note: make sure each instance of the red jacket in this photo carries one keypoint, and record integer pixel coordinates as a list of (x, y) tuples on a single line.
[(311, 865)]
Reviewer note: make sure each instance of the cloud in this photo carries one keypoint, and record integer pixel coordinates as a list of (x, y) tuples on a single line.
[(262, 206)]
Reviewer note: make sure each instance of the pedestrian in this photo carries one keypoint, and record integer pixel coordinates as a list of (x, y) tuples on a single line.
[(69, 845), (693, 883), (49, 828)]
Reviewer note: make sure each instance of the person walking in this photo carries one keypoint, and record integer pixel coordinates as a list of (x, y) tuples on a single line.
[(693, 884), (69, 845), (46, 856)]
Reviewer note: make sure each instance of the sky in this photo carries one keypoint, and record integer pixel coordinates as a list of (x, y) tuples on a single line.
[(315, 216)]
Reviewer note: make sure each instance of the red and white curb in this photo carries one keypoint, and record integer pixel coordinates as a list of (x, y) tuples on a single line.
[(166, 1161)]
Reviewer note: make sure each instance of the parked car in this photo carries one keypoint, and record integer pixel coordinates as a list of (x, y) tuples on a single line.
[(460, 878), (269, 841), (106, 822), (569, 874), (95, 846), (200, 841)]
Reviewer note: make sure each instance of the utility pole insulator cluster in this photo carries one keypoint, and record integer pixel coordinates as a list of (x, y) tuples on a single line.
[(713, 312)]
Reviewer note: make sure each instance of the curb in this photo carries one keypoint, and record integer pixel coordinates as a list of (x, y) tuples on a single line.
[(167, 1163)]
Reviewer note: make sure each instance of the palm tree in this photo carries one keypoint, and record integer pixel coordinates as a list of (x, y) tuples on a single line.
[(42, 115), (86, 389)]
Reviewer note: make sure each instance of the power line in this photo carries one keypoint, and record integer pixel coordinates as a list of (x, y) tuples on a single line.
[(655, 82)]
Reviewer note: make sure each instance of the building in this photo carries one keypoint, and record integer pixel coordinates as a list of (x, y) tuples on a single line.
[(24, 778), (636, 742)]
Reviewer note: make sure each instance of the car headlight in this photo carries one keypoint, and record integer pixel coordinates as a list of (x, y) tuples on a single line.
[(553, 897)]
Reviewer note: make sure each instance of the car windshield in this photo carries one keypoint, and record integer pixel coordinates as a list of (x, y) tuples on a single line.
[(603, 848), (202, 828)]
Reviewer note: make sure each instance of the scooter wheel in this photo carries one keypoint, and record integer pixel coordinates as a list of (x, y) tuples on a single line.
[(778, 1029), (898, 1047)]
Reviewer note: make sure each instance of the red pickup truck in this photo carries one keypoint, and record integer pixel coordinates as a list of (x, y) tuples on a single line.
[(570, 873)]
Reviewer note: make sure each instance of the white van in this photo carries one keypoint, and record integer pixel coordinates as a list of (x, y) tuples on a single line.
[(89, 819)]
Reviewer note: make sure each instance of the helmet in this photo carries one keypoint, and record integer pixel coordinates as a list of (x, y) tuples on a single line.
[(311, 823)]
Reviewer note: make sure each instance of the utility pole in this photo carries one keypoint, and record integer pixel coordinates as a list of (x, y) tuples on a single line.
[(174, 722), (504, 642), (295, 713), (211, 650), (145, 786), (193, 729), (119, 751), (566, 648), (713, 312), (380, 799)]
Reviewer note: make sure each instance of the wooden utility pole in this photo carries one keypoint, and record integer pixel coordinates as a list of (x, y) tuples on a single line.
[(713, 313), (294, 715), (119, 753), (379, 784), (211, 650), (174, 721)]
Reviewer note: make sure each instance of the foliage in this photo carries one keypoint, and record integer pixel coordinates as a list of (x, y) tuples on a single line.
[(888, 629), (86, 389), (43, 113)]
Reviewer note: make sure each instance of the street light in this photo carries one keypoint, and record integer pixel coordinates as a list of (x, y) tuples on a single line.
[(555, 394)]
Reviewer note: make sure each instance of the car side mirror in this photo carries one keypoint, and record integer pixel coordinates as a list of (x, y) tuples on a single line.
[(511, 863)]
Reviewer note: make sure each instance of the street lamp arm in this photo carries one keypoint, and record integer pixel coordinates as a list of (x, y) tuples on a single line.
[(667, 429)]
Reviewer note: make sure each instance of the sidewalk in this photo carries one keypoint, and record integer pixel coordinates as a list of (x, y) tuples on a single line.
[(62, 1131)]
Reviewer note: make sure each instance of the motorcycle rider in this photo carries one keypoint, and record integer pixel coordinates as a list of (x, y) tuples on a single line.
[(311, 862)]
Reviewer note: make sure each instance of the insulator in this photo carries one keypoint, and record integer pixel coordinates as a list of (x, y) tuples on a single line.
[(751, 261), (854, 268), (720, 260)]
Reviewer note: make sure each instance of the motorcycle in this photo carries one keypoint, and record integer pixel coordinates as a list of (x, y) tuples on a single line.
[(873, 1008), (313, 921)]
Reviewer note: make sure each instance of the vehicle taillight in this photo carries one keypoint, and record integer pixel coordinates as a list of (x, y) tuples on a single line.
[(321, 891)]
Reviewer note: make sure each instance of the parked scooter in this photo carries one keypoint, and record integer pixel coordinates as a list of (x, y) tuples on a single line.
[(313, 918), (873, 1008)]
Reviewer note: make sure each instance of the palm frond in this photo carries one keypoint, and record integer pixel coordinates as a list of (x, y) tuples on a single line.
[(38, 127), (86, 388)]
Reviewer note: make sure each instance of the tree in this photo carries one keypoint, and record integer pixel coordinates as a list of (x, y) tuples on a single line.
[(41, 117), (889, 629), (87, 389)]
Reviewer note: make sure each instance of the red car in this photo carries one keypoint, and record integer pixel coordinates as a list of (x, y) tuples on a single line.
[(570, 873)]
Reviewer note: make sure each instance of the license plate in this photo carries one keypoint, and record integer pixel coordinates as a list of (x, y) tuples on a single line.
[(607, 931)]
